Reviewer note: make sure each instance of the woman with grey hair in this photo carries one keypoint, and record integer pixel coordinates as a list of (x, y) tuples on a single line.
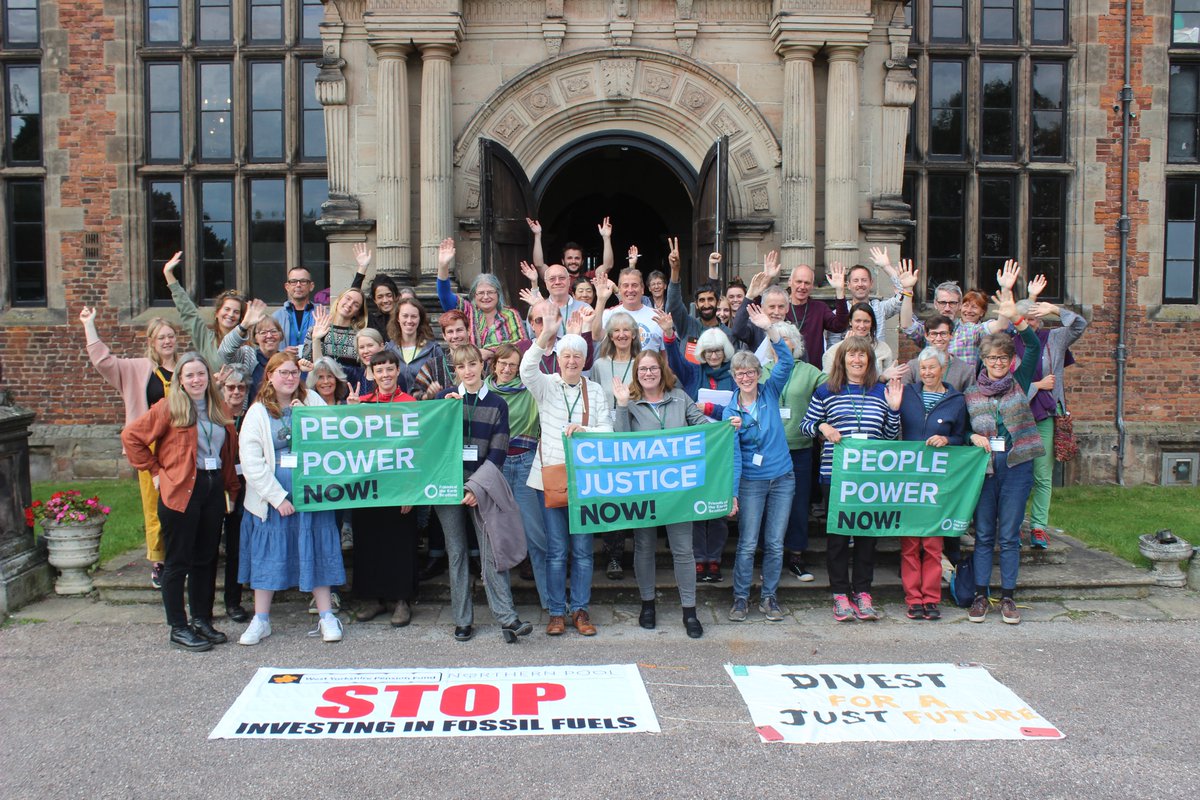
[(935, 414), (488, 320), (328, 380)]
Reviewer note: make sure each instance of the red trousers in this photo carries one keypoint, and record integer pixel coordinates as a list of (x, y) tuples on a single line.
[(921, 569)]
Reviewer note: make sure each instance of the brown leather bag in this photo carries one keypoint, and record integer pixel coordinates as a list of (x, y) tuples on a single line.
[(554, 477)]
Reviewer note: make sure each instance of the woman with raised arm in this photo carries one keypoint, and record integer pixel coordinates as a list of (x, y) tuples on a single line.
[(852, 404), (567, 403), (141, 382), (412, 335), (489, 321), (652, 402), (188, 445), (334, 331), (763, 482), (252, 342), (228, 309)]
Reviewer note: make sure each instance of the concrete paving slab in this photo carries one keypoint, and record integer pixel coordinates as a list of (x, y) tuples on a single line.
[(1139, 610), (1175, 603)]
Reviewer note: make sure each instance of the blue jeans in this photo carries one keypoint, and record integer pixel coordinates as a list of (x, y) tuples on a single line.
[(998, 520), (516, 472), (796, 540), (766, 505), (558, 540)]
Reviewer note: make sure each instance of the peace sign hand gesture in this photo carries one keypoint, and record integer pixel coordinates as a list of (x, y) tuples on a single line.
[(353, 397)]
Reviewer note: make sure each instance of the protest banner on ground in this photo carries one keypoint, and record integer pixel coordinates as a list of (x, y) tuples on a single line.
[(389, 703), (619, 481), (886, 488), (816, 704), (377, 454)]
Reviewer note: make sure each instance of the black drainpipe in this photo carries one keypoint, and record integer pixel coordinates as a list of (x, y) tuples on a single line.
[(1126, 100)]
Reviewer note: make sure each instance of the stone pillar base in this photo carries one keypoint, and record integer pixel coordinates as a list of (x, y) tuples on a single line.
[(24, 577)]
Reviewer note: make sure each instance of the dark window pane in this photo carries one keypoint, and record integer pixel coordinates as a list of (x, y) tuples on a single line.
[(24, 115), (216, 111), (1182, 113), (1047, 221), (946, 20), (997, 241), (27, 233), (997, 120), (999, 20), (268, 242), (21, 23), (216, 238), (266, 20), (313, 129), (314, 250), (945, 230), (1049, 102), (266, 111), (1179, 266), (314, 12), (215, 24), (1181, 201), (164, 142), (162, 21), (1049, 20), (1186, 23), (946, 108), (165, 230)]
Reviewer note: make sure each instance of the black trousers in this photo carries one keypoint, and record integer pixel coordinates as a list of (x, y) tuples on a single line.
[(838, 560), (191, 539), (233, 548)]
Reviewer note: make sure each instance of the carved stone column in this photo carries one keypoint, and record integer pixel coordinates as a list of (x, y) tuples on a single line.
[(841, 139), (799, 200), (437, 153), (394, 214), (331, 92), (899, 92)]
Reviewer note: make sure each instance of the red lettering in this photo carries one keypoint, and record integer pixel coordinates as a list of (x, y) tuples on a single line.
[(408, 698), (526, 696), (485, 699), (349, 706)]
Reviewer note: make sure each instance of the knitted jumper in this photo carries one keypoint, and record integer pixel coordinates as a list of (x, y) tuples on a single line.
[(1011, 409)]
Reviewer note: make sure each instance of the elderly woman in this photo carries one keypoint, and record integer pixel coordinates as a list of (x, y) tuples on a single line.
[(714, 350), (188, 444), (328, 380), (335, 329), (283, 548), (1003, 423), (852, 404), (488, 320), (974, 307), (936, 414), (656, 285), (652, 402), (266, 333), (763, 481), (233, 392), (141, 382), (567, 403), (228, 308), (862, 323)]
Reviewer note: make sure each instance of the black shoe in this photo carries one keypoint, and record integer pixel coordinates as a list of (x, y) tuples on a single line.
[(515, 629), (464, 633), (237, 614), (692, 625), (647, 618), (932, 611), (797, 568), (187, 639), (613, 571), (156, 571), (433, 567), (204, 628)]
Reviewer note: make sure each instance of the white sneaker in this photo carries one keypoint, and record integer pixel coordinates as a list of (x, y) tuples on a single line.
[(331, 629), (258, 630)]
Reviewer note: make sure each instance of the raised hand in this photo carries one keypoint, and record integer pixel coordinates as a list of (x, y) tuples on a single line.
[(362, 256), (169, 268), (673, 253), (1007, 277), (220, 375), (605, 228), (664, 321), (894, 394), (837, 276), (534, 226), (604, 290), (1006, 306), (758, 284), (632, 257), (551, 319), (256, 312), (446, 253), (771, 266), (758, 317), (1036, 287), (894, 372), (87, 316), (322, 320), (586, 316), (620, 392), (305, 365), (575, 322), (354, 395), (908, 275), (529, 296), (1041, 310), (879, 257), (530, 272)]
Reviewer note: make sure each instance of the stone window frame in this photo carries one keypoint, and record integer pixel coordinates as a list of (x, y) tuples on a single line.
[(1176, 182), (192, 170), (26, 173), (953, 244)]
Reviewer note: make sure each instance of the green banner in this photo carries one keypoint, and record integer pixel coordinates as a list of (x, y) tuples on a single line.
[(620, 481), (885, 488), (378, 454)]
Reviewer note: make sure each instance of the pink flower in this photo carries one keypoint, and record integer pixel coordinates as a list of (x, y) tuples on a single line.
[(105, 510), (91, 501)]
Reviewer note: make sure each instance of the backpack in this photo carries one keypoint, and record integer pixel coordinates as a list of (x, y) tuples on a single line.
[(962, 587)]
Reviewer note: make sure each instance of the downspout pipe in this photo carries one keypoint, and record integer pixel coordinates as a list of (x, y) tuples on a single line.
[(1126, 100)]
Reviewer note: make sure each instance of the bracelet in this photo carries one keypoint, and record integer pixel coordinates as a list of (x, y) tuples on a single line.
[(906, 294), (1018, 322)]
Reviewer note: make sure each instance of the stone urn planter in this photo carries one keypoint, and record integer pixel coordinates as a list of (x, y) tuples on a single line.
[(74, 548), (1167, 553)]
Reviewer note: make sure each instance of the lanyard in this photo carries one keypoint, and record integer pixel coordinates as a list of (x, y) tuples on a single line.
[(469, 413), (628, 366), (858, 409), (571, 406), (750, 412), (654, 409), (792, 314), (208, 432)]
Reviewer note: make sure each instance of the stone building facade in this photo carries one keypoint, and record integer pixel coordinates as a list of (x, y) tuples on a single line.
[(956, 132)]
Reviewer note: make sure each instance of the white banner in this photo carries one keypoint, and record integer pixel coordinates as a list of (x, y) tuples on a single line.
[(364, 703), (884, 703)]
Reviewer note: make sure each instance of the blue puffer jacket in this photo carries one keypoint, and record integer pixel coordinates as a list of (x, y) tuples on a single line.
[(948, 418)]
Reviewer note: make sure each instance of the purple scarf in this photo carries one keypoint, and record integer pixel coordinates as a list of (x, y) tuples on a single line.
[(993, 387)]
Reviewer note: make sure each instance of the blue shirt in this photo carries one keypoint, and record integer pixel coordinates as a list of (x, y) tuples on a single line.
[(762, 431)]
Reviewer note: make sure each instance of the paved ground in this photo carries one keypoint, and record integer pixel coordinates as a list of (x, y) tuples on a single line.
[(94, 704)]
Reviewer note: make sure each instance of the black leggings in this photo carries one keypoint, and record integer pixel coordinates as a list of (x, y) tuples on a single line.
[(191, 539)]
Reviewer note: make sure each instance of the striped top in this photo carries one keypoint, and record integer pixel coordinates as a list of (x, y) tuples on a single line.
[(853, 410), (931, 399)]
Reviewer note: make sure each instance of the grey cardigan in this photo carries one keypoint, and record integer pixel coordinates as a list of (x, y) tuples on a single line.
[(1054, 353), (497, 516), (958, 374), (678, 411)]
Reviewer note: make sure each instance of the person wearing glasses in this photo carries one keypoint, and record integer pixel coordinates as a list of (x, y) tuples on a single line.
[(283, 548), (558, 286), (580, 324), (1003, 424), (958, 373), (267, 336), (489, 321), (298, 314), (947, 299), (228, 309)]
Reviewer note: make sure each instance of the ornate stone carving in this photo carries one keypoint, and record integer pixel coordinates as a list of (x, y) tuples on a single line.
[(760, 199), (540, 101), (685, 34), (695, 100), (746, 161), (472, 196), (616, 75), (657, 83), (553, 32), (331, 84), (508, 126), (683, 9), (576, 85), (725, 124)]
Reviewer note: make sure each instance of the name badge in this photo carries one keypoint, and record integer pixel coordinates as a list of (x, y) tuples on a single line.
[(997, 444), (858, 436), (785, 413), (237, 469), (212, 463), (470, 452), (757, 460), (289, 461)]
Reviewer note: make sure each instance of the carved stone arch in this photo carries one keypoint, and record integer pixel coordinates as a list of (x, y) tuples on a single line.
[(657, 93)]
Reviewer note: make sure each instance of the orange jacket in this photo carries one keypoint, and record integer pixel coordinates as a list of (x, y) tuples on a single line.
[(173, 458)]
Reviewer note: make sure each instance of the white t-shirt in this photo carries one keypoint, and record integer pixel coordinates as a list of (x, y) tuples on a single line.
[(650, 333)]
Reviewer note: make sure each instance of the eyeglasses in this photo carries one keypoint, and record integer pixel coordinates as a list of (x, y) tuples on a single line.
[(946, 302), (536, 321), (297, 281), (997, 359), (649, 369), (485, 293), (288, 373), (746, 373), (555, 278), (270, 333), (937, 334), (234, 388)]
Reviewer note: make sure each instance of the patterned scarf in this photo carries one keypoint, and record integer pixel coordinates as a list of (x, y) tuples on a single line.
[(523, 424)]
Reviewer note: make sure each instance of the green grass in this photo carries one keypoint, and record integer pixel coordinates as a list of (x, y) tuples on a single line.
[(1111, 518), (124, 530)]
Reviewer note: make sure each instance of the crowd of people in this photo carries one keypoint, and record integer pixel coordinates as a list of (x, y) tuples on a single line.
[(209, 432)]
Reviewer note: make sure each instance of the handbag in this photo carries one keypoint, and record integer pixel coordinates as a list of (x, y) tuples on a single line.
[(1066, 446), (554, 477), (962, 586)]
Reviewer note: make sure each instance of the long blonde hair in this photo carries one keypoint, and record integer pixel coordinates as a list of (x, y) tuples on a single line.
[(179, 403), (152, 329), (360, 319)]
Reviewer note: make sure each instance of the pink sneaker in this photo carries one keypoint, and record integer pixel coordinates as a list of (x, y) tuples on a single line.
[(864, 609)]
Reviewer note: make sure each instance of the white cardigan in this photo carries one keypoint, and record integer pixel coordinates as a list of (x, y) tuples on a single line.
[(551, 393), (256, 449)]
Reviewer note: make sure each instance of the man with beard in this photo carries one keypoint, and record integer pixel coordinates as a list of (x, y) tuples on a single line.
[(689, 326), (811, 318), (572, 257)]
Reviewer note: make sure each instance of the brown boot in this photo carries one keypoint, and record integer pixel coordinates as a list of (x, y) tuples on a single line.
[(402, 615), (556, 626), (583, 623), (370, 611)]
